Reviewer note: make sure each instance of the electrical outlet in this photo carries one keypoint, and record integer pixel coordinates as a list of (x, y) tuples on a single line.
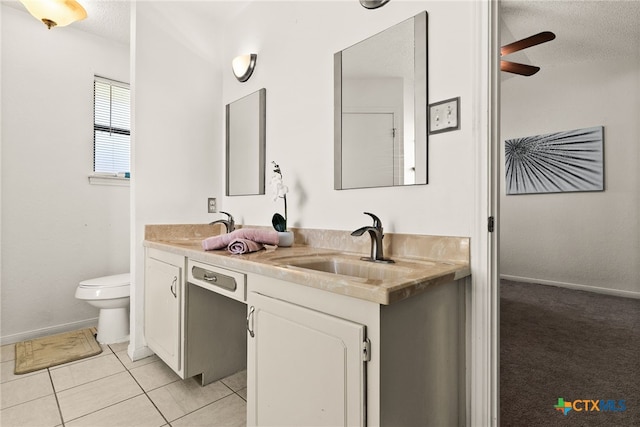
[(211, 205), (444, 116)]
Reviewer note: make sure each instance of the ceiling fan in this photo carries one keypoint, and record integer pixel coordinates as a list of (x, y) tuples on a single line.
[(522, 69)]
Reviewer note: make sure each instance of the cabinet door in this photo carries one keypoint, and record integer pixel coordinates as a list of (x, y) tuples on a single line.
[(305, 368), (163, 284)]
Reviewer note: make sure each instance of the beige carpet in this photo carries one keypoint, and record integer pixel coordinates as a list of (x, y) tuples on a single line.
[(41, 353)]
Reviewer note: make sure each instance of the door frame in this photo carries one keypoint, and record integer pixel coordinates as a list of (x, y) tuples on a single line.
[(483, 294)]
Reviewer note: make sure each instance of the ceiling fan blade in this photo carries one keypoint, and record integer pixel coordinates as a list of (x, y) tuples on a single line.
[(515, 68), (534, 40)]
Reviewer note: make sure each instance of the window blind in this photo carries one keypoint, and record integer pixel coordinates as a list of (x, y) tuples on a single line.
[(111, 126)]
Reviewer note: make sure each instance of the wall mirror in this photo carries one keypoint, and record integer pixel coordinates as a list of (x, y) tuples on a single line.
[(245, 141), (380, 116)]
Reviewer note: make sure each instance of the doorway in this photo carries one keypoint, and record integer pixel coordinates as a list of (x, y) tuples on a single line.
[(572, 256)]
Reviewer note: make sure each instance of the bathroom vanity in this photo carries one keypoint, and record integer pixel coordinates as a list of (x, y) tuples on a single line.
[(326, 338)]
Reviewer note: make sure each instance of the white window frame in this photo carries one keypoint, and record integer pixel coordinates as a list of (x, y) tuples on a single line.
[(102, 178)]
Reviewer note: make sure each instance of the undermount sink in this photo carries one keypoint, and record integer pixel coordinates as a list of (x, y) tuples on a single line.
[(352, 267)]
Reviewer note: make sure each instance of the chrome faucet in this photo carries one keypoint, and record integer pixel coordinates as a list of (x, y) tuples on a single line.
[(376, 234), (229, 223)]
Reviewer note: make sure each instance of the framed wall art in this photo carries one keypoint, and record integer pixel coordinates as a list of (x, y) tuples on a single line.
[(557, 162)]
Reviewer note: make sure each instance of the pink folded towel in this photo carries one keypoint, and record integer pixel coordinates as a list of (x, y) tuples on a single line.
[(268, 237), (244, 246)]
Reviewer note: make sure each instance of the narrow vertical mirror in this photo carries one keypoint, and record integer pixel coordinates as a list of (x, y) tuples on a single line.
[(381, 108), (245, 135)]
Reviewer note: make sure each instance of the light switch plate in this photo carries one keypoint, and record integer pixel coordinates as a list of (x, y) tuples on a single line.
[(444, 116)]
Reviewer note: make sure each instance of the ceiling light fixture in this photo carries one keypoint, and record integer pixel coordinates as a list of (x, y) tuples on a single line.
[(243, 66), (55, 13), (373, 4)]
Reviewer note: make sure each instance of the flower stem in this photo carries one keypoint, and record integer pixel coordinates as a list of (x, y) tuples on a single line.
[(285, 211)]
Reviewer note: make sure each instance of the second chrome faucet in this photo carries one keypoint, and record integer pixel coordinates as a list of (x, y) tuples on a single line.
[(229, 223), (376, 234)]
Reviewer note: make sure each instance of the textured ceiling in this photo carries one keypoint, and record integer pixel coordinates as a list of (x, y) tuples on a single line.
[(110, 18), (585, 30), (105, 18)]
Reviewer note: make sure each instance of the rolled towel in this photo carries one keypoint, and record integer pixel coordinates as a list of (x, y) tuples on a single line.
[(268, 237), (244, 246)]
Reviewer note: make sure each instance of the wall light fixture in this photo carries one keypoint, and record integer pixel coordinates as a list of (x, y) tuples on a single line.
[(55, 12), (373, 4), (243, 66)]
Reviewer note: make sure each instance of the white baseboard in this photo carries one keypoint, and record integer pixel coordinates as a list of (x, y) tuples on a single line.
[(139, 353), (38, 333), (595, 289)]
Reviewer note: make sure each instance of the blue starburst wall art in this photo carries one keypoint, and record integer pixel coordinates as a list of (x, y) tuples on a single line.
[(556, 162)]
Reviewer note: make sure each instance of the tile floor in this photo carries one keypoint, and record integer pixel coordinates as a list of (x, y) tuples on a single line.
[(111, 390)]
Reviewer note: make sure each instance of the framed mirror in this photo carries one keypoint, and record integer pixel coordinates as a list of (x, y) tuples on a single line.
[(245, 143), (380, 115)]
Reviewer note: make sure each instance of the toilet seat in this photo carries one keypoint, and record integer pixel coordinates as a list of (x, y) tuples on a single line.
[(106, 287), (108, 281)]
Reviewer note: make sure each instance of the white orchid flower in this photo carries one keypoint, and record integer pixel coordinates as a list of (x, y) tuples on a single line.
[(279, 192), (278, 188)]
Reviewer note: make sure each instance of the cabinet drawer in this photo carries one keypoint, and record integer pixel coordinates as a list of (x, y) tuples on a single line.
[(220, 280)]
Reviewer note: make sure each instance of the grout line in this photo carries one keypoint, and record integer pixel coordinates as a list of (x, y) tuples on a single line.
[(97, 410), (108, 406), (157, 409), (55, 395), (208, 404), (142, 388), (147, 395), (143, 391), (103, 354), (115, 403)]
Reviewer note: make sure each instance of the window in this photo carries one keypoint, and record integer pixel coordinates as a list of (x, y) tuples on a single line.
[(111, 127)]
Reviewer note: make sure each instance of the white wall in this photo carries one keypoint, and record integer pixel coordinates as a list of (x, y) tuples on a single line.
[(589, 240), (178, 150), (295, 43), (57, 229), (178, 163)]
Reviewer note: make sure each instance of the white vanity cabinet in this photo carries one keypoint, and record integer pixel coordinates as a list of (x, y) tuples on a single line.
[(164, 288), (323, 359), (194, 325), (306, 367), (383, 347)]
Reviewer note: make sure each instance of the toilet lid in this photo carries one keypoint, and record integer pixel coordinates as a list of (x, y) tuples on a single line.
[(107, 281)]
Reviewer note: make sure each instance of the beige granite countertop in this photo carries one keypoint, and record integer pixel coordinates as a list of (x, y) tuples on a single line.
[(420, 261)]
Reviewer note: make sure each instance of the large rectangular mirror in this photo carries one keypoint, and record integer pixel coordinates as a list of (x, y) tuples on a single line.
[(245, 135), (380, 116)]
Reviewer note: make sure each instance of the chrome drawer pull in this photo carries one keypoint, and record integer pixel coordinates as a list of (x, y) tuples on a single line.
[(210, 277)]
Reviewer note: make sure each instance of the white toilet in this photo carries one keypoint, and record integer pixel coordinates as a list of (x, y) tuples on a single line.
[(111, 295)]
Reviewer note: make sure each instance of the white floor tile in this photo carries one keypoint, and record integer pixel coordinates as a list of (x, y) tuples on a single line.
[(182, 397), (42, 412), (98, 391), (90, 397), (228, 412), (130, 364), (236, 381), (154, 375), (242, 393), (25, 389), (6, 372), (138, 411), (75, 374), (7, 352), (119, 346)]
